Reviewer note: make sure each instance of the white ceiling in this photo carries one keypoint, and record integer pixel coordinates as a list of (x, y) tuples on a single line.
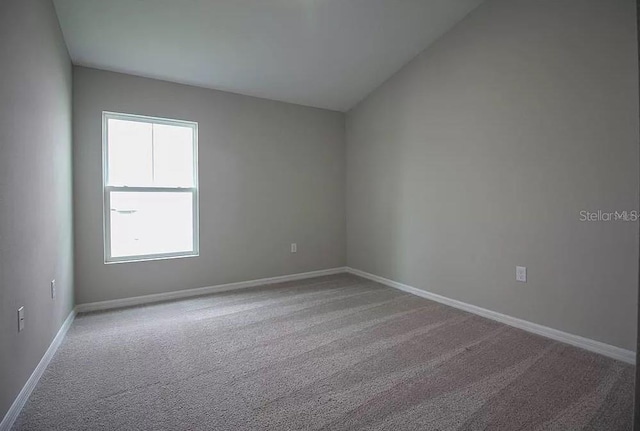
[(323, 53)]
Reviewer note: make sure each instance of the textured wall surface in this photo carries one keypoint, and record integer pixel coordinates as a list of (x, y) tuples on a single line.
[(271, 174), (36, 242), (480, 154)]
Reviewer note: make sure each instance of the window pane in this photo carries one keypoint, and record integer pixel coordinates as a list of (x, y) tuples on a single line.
[(130, 153), (151, 223), (173, 155)]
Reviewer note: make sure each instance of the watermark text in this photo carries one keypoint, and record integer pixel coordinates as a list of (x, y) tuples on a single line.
[(600, 215)]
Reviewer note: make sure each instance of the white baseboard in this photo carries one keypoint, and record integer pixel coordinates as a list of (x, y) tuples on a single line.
[(23, 396), (187, 293), (614, 352)]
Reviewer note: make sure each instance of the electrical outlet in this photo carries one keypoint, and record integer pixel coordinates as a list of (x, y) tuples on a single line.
[(20, 318), (521, 273), (294, 247), (53, 289)]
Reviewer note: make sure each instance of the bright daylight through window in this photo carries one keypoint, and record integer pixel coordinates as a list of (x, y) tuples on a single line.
[(150, 187)]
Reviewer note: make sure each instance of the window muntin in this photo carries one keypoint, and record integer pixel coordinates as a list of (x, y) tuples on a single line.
[(150, 188)]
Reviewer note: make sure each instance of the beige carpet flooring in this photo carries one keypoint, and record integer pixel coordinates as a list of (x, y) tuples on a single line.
[(330, 353)]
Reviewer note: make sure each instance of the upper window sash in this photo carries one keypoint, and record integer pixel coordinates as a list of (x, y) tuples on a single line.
[(149, 152)]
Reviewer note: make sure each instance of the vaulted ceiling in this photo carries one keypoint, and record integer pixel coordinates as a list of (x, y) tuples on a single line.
[(322, 53)]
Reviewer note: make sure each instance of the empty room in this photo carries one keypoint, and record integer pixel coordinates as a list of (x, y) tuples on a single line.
[(319, 215)]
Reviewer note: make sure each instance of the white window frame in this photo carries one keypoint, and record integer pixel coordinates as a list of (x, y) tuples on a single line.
[(107, 189)]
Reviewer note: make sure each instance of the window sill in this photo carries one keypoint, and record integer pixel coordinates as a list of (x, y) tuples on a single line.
[(138, 259)]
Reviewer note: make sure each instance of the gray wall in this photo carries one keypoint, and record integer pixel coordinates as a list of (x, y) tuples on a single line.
[(271, 174), (480, 154), (35, 187)]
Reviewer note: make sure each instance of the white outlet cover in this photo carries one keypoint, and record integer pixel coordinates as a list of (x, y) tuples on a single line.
[(53, 289), (294, 247), (521, 273), (20, 318)]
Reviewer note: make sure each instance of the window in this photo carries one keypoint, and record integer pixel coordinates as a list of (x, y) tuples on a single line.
[(150, 177)]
